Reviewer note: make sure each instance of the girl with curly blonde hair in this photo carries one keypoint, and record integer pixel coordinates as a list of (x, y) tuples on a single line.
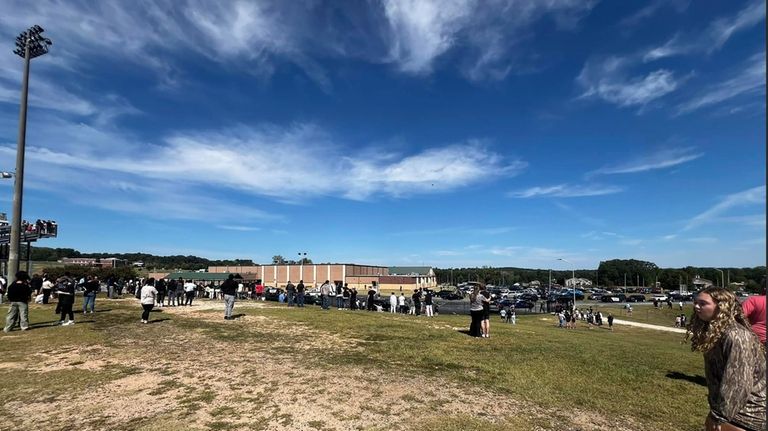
[(734, 362)]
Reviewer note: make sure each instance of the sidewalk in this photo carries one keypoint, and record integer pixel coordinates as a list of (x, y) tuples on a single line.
[(649, 326)]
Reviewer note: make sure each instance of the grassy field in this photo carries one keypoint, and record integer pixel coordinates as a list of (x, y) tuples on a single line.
[(280, 368)]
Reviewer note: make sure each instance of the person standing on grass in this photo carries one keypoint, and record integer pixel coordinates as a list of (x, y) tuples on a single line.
[(476, 301), (416, 301), (300, 288), (92, 287), (189, 292), (486, 322), (734, 362), (401, 303), (36, 283), (610, 321), (65, 288), (369, 305), (162, 287), (392, 302), (325, 292), (290, 293), (229, 290), (147, 297), (172, 290), (47, 289), (754, 310), (353, 299), (18, 297), (428, 304), (339, 296)]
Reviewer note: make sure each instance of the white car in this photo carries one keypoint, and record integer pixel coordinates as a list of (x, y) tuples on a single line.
[(659, 297)]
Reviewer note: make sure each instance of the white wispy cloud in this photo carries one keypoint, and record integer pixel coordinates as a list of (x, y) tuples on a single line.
[(661, 159), (749, 197), (239, 228), (421, 31), (749, 80), (566, 191), (653, 8), (713, 37), (285, 164), (609, 79), (459, 230)]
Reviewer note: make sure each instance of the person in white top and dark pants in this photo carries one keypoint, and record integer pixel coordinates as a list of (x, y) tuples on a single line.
[(148, 295)]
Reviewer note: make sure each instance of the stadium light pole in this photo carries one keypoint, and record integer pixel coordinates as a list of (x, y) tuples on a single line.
[(573, 277), (722, 277), (29, 44)]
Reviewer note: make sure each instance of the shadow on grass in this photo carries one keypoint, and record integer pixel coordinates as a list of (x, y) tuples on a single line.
[(698, 380), (159, 320), (465, 332)]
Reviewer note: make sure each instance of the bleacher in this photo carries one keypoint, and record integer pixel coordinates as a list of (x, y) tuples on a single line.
[(30, 232)]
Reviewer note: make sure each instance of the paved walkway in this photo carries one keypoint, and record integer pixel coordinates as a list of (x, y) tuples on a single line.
[(649, 326)]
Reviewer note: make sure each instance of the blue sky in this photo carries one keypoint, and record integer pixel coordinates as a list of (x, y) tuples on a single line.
[(444, 133)]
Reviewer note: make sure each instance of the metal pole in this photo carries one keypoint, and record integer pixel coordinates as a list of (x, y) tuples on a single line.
[(18, 189), (29, 255)]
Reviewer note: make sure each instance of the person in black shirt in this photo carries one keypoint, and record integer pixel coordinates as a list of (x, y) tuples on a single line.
[(36, 283), (161, 288), (18, 296), (92, 287), (300, 293), (369, 304), (290, 291), (65, 287), (417, 301), (353, 299), (229, 290), (428, 303)]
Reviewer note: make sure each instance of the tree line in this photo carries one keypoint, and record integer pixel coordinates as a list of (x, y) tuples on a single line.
[(610, 273), (150, 261)]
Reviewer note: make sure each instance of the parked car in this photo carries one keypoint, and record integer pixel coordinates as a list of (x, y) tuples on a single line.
[(450, 294), (636, 298), (529, 297), (596, 296), (659, 297), (272, 293), (615, 297)]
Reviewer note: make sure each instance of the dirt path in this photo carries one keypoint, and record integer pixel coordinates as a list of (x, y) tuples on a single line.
[(649, 326)]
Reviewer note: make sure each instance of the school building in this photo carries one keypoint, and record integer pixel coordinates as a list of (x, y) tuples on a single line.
[(360, 277)]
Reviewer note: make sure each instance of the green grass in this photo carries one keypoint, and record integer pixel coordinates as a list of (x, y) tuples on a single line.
[(616, 374), (646, 313)]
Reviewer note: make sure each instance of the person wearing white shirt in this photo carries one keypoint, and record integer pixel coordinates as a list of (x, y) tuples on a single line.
[(189, 291), (401, 303), (393, 303), (148, 295)]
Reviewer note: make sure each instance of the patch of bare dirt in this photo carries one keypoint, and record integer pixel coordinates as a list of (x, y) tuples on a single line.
[(283, 386)]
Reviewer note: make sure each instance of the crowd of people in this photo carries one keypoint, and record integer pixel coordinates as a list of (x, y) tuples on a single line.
[(731, 335)]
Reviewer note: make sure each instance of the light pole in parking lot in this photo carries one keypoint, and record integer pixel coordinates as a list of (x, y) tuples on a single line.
[(573, 277), (722, 277)]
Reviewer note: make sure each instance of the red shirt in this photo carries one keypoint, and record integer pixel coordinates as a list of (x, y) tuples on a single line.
[(259, 288), (754, 309)]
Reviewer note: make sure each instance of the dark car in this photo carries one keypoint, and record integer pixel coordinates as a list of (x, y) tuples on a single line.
[(614, 297), (272, 293), (449, 295), (529, 297), (636, 298), (522, 303)]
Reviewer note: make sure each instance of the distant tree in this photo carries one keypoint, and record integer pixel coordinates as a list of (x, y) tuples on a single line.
[(277, 259)]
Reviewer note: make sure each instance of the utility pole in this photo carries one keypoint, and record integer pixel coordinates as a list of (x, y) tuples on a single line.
[(29, 44)]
